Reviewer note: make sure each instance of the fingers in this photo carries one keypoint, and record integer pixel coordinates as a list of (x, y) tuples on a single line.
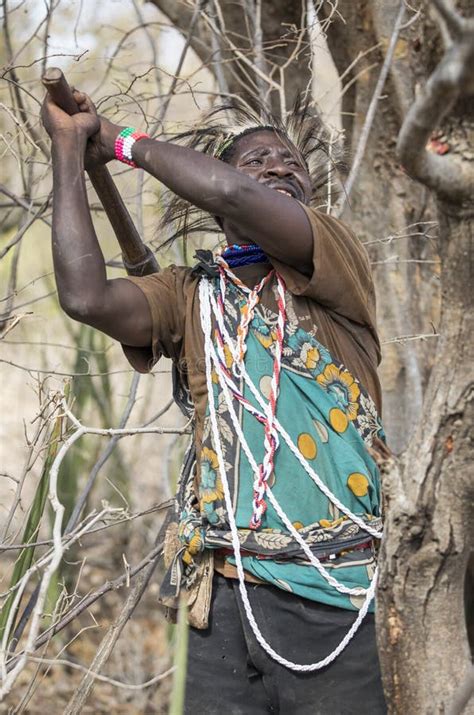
[(48, 101), (50, 104), (83, 100), (78, 96)]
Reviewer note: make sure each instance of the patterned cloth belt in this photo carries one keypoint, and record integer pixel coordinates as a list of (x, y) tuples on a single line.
[(262, 557)]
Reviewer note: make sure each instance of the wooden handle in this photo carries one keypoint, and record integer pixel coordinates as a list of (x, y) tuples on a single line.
[(138, 259), (59, 90)]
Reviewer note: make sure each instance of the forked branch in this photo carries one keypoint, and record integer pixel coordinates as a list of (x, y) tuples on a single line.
[(449, 176)]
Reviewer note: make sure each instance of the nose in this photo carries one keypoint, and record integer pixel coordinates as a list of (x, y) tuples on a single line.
[(278, 169)]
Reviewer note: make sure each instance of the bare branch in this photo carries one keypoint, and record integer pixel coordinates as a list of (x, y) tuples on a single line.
[(21, 202), (451, 178), (79, 505), (454, 23), (103, 678), (51, 561), (108, 642), (401, 339), (24, 228), (88, 600)]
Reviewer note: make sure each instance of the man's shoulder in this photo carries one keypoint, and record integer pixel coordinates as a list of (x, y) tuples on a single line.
[(171, 276)]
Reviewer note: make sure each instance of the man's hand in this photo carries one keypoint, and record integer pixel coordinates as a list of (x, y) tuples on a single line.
[(101, 144), (95, 133), (58, 123)]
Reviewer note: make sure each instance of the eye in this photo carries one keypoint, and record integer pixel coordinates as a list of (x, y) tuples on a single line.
[(253, 162)]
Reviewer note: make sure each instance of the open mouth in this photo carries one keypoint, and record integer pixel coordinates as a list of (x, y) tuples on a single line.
[(285, 188)]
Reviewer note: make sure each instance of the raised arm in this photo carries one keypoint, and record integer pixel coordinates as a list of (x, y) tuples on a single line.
[(242, 195), (117, 307), (249, 209)]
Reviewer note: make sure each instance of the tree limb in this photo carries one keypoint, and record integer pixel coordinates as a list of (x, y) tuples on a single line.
[(454, 22), (451, 178), (89, 600), (364, 136)]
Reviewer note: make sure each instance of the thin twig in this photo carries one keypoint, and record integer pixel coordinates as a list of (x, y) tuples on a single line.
[(88, 601), (108, 642), (370, 116), (103, 678), (81, 500)]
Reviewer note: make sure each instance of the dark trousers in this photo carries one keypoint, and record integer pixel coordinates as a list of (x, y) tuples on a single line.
[(230, 674)]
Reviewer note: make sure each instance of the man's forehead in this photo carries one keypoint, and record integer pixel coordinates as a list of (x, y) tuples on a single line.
[(263, 138)]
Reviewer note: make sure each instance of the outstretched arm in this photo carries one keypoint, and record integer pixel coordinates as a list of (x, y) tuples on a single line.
[(277, 223)]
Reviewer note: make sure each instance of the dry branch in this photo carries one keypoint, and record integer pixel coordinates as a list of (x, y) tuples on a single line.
[(450, 177), (51, 561), (110, 639)]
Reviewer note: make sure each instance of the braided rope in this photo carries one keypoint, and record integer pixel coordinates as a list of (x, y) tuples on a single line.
[(205, 292), (271, 441)]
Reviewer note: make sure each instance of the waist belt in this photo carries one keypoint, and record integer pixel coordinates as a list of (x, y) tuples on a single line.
[(269, 557)]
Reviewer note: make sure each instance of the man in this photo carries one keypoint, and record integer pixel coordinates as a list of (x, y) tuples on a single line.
[(275, 531)]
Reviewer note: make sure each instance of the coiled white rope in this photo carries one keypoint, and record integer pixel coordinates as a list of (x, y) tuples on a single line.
[(205, 295)]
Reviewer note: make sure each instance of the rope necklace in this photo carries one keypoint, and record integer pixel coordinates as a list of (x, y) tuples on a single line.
[(208, 305), (271, 441)]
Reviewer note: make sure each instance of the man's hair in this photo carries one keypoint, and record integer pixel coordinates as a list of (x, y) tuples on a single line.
[(217, 134)]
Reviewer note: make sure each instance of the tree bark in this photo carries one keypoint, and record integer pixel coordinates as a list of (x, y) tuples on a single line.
[(422, 622), (385, 201), (429, 527)]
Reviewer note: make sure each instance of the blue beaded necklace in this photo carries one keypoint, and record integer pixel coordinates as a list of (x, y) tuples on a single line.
[(236, 256)]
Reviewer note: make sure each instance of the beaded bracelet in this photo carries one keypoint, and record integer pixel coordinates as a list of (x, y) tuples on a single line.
[(124, 143)]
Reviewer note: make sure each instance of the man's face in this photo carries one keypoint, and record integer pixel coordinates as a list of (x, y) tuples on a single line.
[(269, 160)]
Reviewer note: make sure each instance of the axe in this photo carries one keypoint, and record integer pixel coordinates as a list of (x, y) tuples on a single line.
[(138, 259)]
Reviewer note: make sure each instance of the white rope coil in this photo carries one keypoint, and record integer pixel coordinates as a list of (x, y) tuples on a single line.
[(311, 557), (206, 300)]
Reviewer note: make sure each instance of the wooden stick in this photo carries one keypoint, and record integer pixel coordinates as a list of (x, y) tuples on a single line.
[(138, 259)]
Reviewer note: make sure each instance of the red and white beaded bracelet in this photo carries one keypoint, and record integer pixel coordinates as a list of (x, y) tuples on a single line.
[(124, 143)]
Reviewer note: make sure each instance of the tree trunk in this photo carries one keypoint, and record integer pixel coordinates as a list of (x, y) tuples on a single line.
[(385, 201), (429, 525), (429, 528), (277, 34)]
